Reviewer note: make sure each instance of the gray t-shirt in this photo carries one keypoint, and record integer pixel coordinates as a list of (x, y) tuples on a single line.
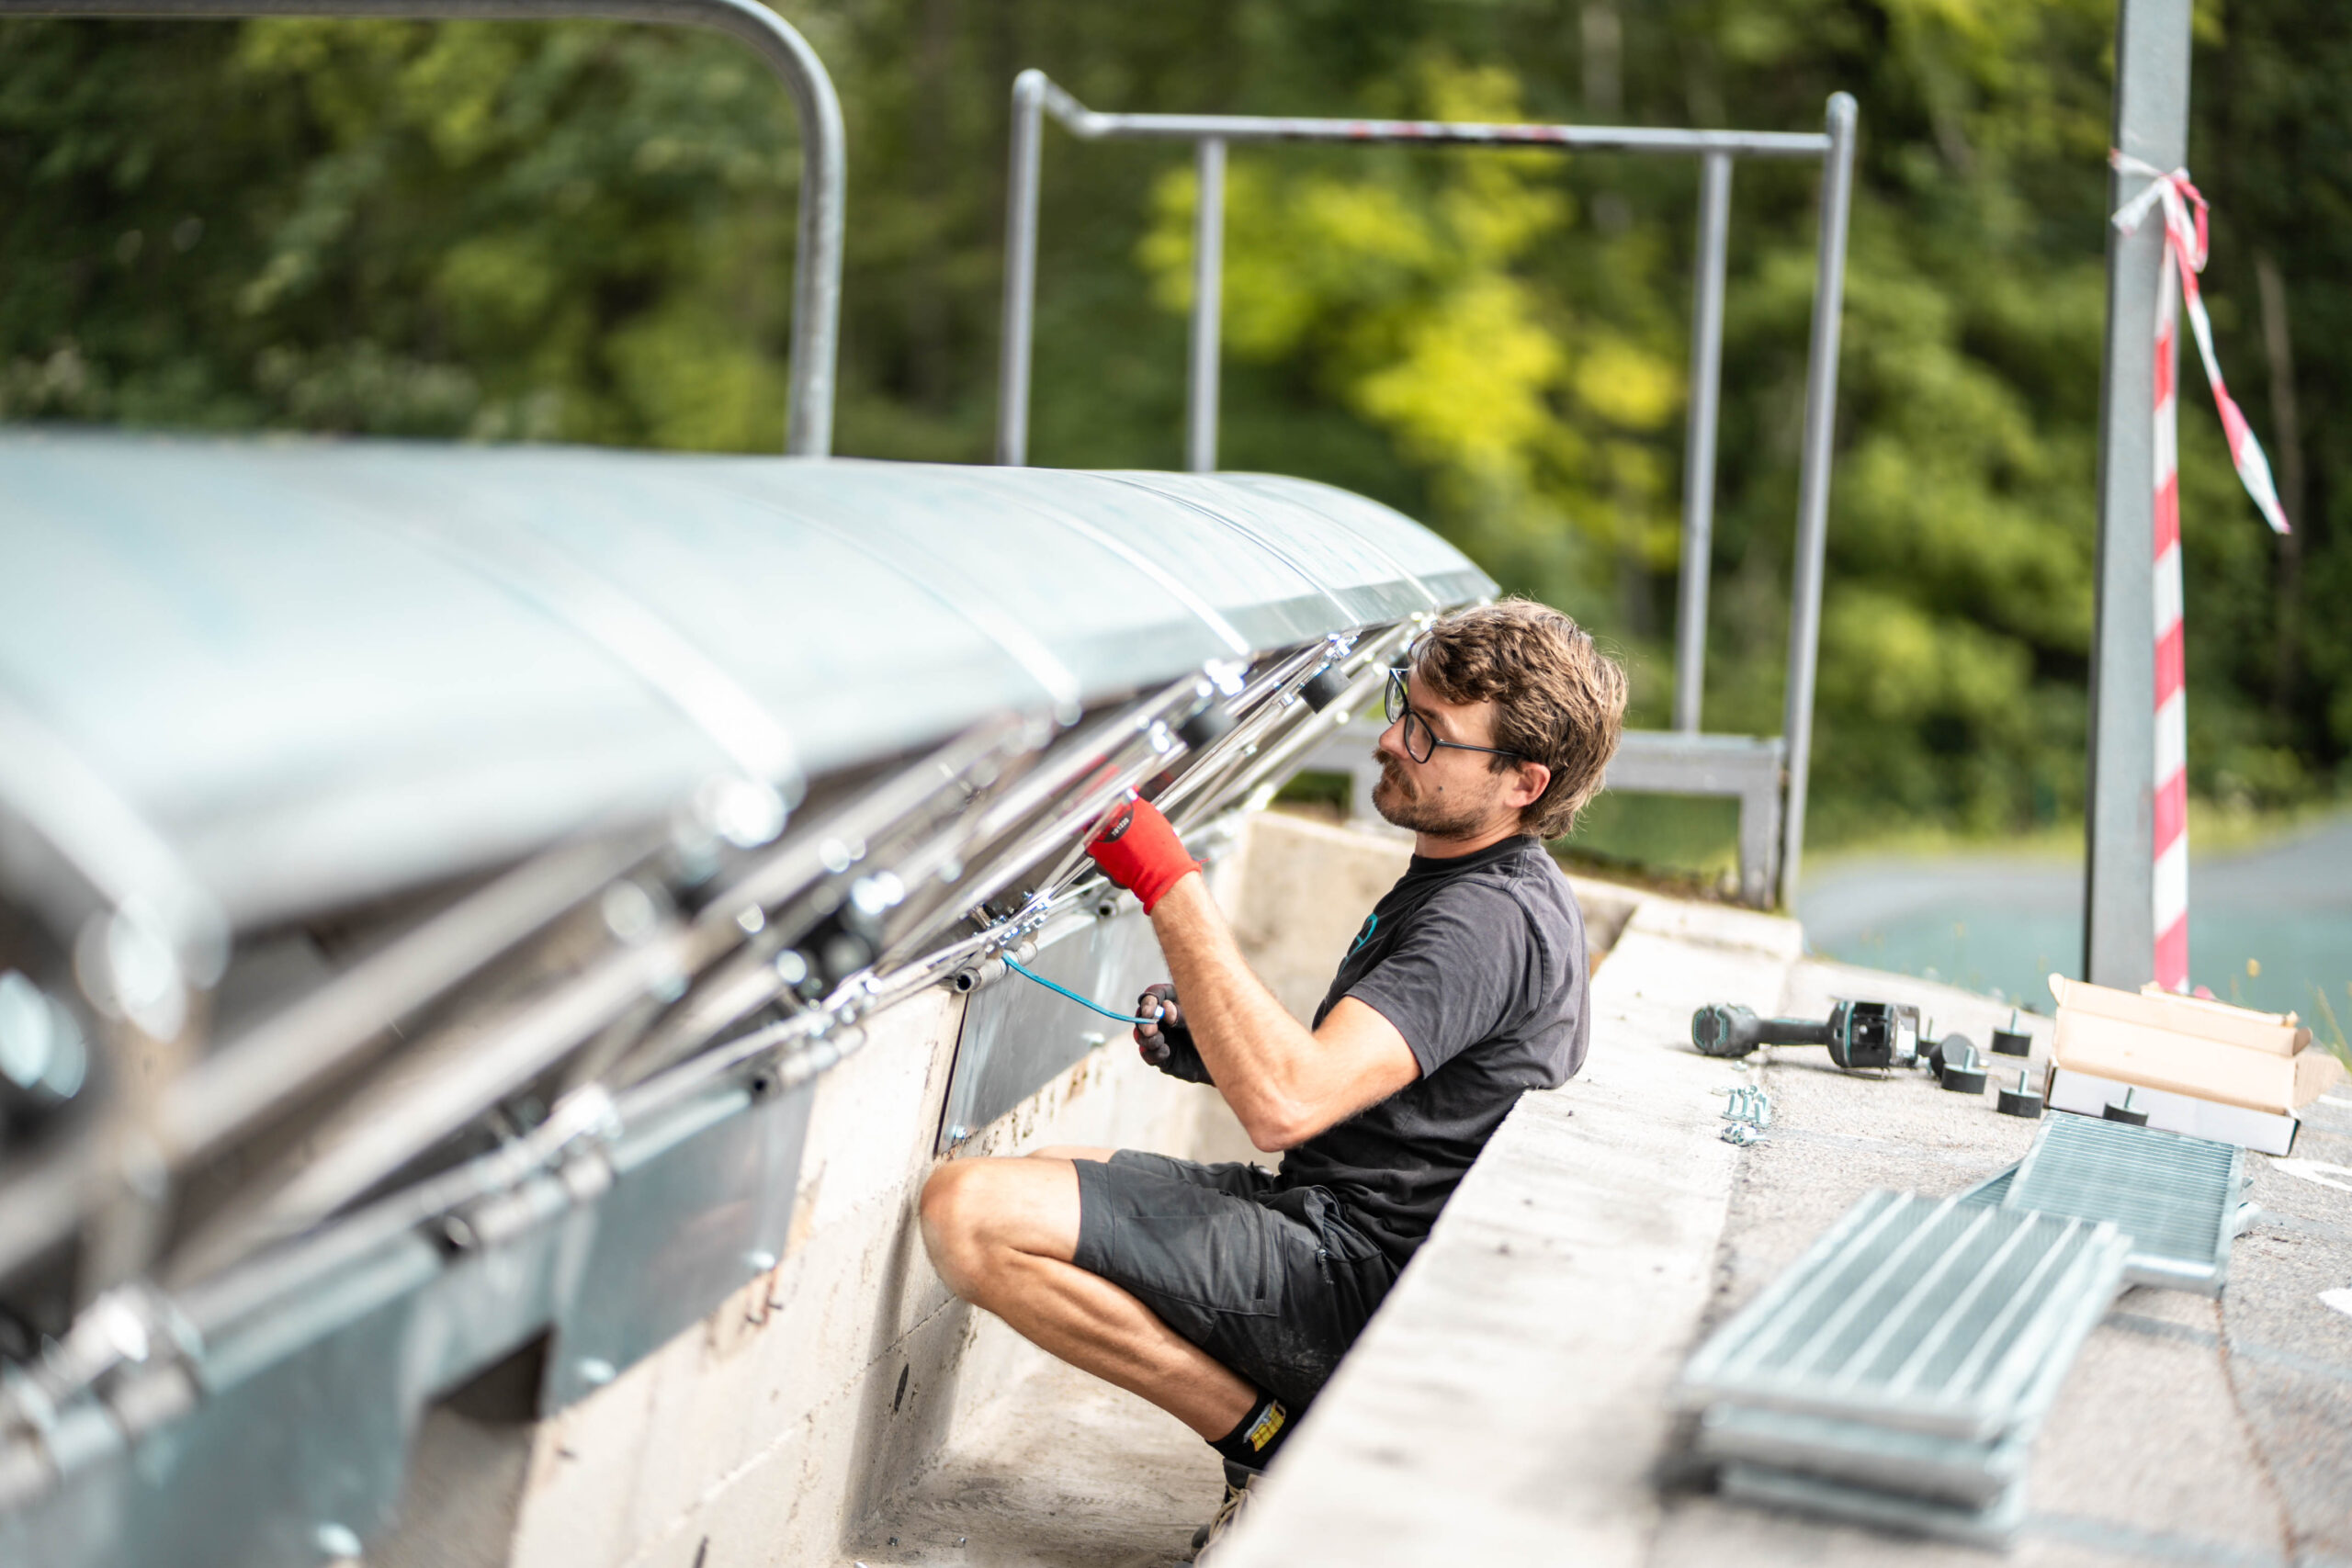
[(1479, 962)]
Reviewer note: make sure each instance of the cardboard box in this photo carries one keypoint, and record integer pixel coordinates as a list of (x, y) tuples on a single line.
[(2277, 1033), (2269, 1133), (2208, 1050)]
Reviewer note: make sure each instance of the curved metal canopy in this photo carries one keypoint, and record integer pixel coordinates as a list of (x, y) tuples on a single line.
[(322, 670)]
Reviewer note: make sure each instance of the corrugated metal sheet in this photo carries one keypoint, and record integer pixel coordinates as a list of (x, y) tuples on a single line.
[(324, 670)]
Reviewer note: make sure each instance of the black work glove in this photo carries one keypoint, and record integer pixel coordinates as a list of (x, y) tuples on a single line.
[(1167, 1043)]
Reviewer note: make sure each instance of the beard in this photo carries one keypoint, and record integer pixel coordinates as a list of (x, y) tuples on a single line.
[(1398, 802)]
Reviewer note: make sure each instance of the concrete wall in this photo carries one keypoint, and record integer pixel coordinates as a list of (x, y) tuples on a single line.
[(802, 1404)]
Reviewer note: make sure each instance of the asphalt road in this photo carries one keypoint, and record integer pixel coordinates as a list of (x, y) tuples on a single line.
[(2001, 923)]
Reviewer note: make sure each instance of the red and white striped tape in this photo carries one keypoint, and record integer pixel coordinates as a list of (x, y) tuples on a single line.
[(2184, 258)]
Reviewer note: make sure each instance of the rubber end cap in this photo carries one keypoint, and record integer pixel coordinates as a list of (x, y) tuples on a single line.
[(1328, 687), (2012, 1043), (2022, 1102), (1204, 728), (1965, 1081)]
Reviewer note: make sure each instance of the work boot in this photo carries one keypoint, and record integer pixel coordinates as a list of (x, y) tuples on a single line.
[(1239, 1480)]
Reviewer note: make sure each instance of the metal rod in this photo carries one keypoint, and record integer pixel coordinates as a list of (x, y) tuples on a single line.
[(1699, 462), (2151, 64), (1090, 126), (1208, 291), (1813, 480), (824, 180), (1020, 270)]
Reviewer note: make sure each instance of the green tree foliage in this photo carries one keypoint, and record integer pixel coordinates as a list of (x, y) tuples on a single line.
[(583, 232)]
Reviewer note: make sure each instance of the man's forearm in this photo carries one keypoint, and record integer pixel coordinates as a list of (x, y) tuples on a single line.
[(1250, 1045)]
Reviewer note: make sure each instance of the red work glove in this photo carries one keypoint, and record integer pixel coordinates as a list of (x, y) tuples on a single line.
[(1142, 853)]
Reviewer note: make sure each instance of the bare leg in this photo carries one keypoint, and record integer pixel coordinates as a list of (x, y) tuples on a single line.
[(1003, 1232)]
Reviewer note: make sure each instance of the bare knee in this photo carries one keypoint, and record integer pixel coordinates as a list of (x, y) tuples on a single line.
[(950, 1225), (983, 1219)]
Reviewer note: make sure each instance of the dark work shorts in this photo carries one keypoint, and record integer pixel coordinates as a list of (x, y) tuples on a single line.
[(1274, 1284)]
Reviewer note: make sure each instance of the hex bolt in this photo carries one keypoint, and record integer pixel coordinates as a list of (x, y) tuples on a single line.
[(2021, 1100)]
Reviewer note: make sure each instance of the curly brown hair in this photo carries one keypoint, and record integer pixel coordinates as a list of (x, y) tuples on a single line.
[(1558, 699)]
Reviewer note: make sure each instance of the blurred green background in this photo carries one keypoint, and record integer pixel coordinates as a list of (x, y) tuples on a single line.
[(583, 232)]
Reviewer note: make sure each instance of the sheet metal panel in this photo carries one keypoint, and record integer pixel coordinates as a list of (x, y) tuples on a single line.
[(329, 670), (1017, 1035), (318, 1371), (701, 1204)]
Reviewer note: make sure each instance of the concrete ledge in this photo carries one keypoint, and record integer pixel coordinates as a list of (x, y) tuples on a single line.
[(1509, 1401)]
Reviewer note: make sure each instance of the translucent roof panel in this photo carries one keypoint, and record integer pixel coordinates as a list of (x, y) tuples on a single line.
[(320, 670)]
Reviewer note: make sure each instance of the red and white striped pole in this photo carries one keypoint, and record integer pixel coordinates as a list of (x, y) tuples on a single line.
[(2184, 258)]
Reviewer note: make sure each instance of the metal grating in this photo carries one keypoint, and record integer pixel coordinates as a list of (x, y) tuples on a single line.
[(2174, 1196), (1962, 1471), (1995, 1525), (1990, 1190), (1943, 1317)]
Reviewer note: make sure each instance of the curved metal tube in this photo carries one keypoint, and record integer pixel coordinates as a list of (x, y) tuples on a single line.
[(824, 179)]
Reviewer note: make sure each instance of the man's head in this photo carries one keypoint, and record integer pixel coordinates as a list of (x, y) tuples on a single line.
[(1515, 715)]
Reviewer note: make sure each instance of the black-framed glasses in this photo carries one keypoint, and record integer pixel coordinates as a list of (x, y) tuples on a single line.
[(1422, 742)]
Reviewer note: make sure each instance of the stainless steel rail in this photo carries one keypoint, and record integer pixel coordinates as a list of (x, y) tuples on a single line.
[(824, 179), (1035, 96)]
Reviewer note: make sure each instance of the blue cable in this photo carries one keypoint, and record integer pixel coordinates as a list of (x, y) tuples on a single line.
[(1097, 1006)]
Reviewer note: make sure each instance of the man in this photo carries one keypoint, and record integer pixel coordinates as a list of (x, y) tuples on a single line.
[(1225, 1294)]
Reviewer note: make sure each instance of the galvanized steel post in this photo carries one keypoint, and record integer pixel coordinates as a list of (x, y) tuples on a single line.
[(2152, 59), (1020, 270), (1699, 459), (824, 179), (1208, 289), (1813, 479)]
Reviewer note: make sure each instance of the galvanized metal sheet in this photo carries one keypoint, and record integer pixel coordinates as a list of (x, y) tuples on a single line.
[(1017, 1035), (2175, 1197), (311, 1434), (701, 1203), (1933, 1317), (326, 670), (316, 1370)]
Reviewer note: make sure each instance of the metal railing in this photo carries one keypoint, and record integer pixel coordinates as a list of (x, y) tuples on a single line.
[(1035, 96), (824, 179)]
